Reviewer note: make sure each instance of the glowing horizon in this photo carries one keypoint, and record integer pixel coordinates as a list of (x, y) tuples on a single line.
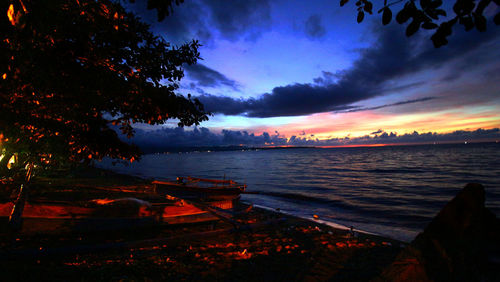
[(326, 125)]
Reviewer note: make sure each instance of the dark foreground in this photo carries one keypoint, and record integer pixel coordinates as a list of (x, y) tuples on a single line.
[(271, 247), (462, 243)]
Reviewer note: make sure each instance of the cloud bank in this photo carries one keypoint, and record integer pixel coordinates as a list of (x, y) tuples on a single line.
[(167, 138)]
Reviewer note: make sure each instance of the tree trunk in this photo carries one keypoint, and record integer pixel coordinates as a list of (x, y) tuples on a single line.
[(15, 219)]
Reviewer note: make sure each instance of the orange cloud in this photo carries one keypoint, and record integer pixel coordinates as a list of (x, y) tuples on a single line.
[(329, 125)]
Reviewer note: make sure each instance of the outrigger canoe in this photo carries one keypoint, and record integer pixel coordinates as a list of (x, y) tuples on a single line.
[(200, 188), (106, 214)]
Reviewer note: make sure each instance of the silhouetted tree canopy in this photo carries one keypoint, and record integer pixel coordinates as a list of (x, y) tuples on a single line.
[(71, 70), (163, 7), (428, 14)]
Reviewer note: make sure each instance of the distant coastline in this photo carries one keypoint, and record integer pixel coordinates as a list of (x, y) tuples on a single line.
[(195, 149)]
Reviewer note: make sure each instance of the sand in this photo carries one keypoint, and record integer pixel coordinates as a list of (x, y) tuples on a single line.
[(266, 246)]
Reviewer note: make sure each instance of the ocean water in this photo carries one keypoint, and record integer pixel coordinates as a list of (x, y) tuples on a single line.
[(392, 191)]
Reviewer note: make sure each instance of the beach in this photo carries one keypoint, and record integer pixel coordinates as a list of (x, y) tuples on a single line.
[(460, 243), (265, 245), (274, 248)]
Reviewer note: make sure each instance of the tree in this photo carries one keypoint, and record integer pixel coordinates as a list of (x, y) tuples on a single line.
[(426, 15), (71, 70), (163, 8)]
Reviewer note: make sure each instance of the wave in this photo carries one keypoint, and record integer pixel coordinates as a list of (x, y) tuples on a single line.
[(396, 188), (392, 171)]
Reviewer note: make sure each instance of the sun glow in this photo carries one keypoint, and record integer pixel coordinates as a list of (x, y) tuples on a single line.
[(326, 126)]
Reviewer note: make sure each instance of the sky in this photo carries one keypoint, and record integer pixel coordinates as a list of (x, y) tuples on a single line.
[(305, 73)]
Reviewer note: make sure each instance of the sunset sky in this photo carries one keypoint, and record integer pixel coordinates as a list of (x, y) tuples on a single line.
[(305, 70)]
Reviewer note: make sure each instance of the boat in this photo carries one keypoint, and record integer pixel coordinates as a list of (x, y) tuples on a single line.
[(194, 188), (55, 217)]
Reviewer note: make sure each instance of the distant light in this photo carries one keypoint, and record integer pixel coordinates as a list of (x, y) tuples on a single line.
[(12, 161), (10, 14)]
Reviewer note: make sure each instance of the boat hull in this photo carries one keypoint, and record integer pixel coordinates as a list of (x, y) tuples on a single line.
[(198, 193), (39, 218)]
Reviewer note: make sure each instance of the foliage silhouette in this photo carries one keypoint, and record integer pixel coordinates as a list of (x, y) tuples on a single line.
[(428, 14), (71, 70), (163, 7)]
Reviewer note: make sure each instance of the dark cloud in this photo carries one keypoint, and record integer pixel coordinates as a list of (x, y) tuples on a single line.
[(239, 18), (451, 77), (314, 27), (204, 19), (387, 105), (168, 138), (403, 87), (377, 132), (391, 57), (205, 76), (226, 105), (327, 78)]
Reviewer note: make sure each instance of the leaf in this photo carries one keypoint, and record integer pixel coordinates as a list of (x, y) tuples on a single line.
[(467, 23), (343, 2), (458, 7), (429, 25), (480, 22), (361, 16), (463, 7), (412, 28), (444, 30), (438, 39), (432, 14), (435, 4), (441, 12), (469, 6), (481, 6), (403, 15), (386, 16), (368, 7), (446, 27), (425, 4)]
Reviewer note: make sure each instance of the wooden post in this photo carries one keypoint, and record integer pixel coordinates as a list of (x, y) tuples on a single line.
[(15, 219)]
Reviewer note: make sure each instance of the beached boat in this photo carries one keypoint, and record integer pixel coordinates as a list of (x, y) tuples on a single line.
[(111, 214), (194, 188)]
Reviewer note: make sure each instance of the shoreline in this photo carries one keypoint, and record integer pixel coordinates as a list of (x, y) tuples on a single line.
[(269, 246), (223, 148), (263, 245), (330, 224)]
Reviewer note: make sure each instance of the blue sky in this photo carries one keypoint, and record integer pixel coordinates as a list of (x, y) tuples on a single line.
[(307, 69)]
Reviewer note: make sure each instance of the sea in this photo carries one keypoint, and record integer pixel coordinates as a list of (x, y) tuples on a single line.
[(392, 191)]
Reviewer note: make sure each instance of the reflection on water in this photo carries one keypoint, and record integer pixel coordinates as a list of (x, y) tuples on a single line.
[(393, 191)]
